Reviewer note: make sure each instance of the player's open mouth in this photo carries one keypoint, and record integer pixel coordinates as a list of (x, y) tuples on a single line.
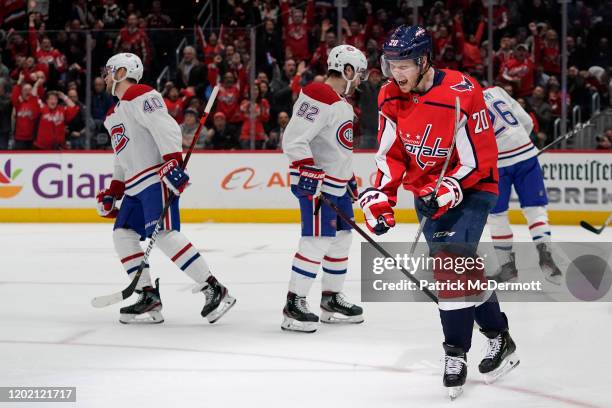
[(403, 82)]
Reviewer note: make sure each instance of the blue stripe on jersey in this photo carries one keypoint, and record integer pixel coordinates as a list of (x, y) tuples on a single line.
[(303, 272), (141, 180), (190, 261), (325, 183), (517, 154), (334, 271), (135, 268), (503, 248)]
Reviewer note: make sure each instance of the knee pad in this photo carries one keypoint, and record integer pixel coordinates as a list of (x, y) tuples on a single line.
[(535, 215), (126, 241), (341, 244), (499, 225), (314, 248)]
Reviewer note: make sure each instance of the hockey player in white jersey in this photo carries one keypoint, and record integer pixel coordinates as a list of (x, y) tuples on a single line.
[(519, 167), (319, 144), (148, 165)]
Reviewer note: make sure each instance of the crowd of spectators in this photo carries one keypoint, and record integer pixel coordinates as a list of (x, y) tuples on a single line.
[(42, 71)]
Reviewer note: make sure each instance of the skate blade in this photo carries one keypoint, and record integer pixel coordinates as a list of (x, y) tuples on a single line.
[(554, 279), (226, 304), (454, 392), (152, 317), (290, 324), (510, 362), (339, 318)]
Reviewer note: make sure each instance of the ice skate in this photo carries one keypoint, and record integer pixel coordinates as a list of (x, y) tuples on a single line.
[(218, 300), (336, 309), (147, 308), (455, 370), (507, 272), (501, 355), (297, 316), (551, 272)]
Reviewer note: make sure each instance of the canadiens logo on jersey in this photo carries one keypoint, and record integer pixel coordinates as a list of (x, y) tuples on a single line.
[(421, 148), (463, 86), (118, 138), (345, 135)]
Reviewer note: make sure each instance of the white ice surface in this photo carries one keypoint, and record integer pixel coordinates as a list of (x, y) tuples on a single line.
[(51, 336)]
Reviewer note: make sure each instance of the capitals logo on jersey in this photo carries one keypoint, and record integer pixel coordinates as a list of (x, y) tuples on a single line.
[(345, 135), (463, 86), (419, 147), (118, 138)]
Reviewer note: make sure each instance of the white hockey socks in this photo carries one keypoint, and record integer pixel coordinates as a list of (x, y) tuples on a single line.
[(335, 262), (501, 235), (177, 247), (127, 246), (537, 219), (306, 263)]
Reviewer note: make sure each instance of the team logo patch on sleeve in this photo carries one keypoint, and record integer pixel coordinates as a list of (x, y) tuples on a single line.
[(118, 138), (345, 135), (463, 86)]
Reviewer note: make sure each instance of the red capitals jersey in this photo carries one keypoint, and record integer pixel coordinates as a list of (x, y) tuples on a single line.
[(415, 132)]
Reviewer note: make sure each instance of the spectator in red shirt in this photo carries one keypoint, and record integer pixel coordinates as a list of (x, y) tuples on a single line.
[(548, 52), (133, 39), (176, 101), (260, 110), (470, 49), (297, 28), (51, 133), (30, 70), (43, 50), (328, 41), (519, 71), (228, 101), (25, 100), (355, 34)]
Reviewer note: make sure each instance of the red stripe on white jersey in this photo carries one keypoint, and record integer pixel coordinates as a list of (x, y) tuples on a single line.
[(303, 258), (537, 224), (181, 252), (502, 236), (129, 258), (330, 259)]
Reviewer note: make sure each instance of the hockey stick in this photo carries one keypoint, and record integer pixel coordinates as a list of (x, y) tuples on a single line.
[(591, 228), (107, 300), (458, 125), (566, 136), (375, 244)]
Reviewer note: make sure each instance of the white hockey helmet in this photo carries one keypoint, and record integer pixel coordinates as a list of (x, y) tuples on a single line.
[(130, 62), (344, 54)]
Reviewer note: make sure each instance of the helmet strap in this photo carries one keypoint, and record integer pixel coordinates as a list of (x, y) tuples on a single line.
[(115, 82), (422, 71)]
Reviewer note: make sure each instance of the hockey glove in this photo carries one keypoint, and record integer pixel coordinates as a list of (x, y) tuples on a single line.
[(108, 197), (376, 210), (449, 195), (311, 179), (173, 176), (352, 189)]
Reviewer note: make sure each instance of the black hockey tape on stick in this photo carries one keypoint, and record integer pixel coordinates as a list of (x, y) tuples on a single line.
[(375, 244), (107, 300), (593, 229)]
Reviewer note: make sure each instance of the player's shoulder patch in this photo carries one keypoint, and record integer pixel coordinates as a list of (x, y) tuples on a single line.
[(135, 91), (464, 84), (322, 93)]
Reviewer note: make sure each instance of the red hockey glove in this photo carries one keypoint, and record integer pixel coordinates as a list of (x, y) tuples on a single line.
[(449, 195), (376, 210), (107, 198)]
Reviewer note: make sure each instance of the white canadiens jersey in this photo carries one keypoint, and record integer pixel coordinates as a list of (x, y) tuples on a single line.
[(142, 132), (321, 132), (512, 126)]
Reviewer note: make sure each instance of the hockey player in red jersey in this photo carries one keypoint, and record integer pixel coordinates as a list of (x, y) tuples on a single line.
[(416, 129)]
